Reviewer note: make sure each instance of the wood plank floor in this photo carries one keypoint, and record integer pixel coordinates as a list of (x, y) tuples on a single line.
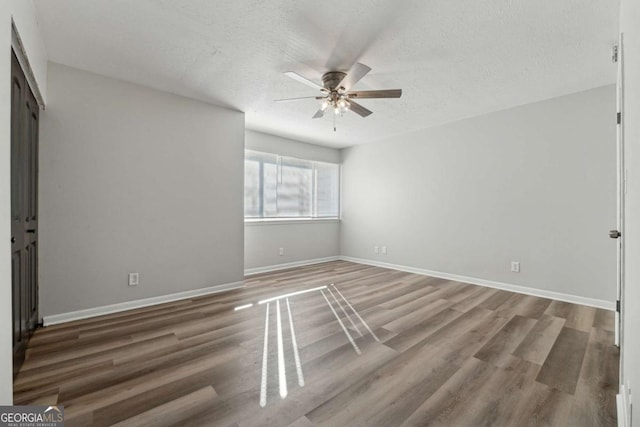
[(380, 348)]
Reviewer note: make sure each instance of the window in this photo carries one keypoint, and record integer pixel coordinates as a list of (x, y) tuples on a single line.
[(285, 187)]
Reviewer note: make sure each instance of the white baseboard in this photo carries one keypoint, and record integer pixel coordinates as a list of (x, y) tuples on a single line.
[(129, 305), (623, 403), (607, 305), (266, 269)]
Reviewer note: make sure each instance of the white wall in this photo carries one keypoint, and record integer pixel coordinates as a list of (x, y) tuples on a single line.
[(630, 16), (135, 180), (6, 342), (534, 184), (26, 20), (301, 241)]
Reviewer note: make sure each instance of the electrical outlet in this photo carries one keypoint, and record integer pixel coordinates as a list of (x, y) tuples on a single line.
[(515, 266), (384, 250), (281, 251), (134, 279), (376, 250)]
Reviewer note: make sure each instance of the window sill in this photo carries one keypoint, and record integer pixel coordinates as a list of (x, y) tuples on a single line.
[(282, 221)]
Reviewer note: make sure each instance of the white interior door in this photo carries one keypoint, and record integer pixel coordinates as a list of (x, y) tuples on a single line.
[(622, 188)]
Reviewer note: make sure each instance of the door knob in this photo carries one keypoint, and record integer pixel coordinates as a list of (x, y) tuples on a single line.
[(614, 234), (13, 239), (31, 230)]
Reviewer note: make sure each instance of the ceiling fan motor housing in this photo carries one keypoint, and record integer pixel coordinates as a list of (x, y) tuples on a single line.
[(337, 94), (332, 79)]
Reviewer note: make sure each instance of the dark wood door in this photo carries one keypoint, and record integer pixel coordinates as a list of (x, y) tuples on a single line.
[(24, 211)]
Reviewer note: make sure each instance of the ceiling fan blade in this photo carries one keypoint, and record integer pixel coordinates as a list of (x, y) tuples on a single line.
[(388, 93), (354, 75), (297, 77), (295, 99), (359, 109), (318, 113)]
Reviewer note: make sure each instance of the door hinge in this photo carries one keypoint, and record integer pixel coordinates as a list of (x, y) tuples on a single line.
[(618, 306), (614, 53), (624, 184), (618, 117)]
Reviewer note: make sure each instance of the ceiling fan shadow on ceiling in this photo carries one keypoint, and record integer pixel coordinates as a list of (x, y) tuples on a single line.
[(336, 93)]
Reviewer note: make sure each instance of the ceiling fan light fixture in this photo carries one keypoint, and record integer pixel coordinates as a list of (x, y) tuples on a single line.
[(338, 95)]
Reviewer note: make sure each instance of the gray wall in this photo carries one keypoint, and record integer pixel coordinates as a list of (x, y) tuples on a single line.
[(301, 241), (135, 180), (268, 143), (534, 184), (630, 16)]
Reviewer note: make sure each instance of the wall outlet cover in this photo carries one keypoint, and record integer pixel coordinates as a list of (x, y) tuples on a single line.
[(134, 279), (515, 266)]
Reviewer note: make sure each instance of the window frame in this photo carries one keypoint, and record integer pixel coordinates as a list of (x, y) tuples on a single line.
[(251, 220)]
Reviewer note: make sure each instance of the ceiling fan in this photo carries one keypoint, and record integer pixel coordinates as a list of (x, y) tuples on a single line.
[(337, 93)]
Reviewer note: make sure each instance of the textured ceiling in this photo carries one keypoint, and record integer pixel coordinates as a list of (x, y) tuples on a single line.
[(453, 59)]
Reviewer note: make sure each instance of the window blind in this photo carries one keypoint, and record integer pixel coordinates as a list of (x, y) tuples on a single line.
[(286, 187)]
